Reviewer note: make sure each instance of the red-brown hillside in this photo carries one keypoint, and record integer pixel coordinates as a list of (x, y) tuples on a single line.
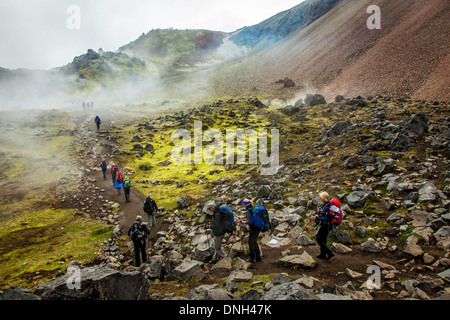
[(338, 54)]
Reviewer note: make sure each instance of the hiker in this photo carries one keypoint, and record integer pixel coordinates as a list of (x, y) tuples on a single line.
[(118, 184), (98, 122), (255, 252), (92, 105), (138, 233), (223, 222), (104, 166), (151, 209), (126, 189), (113, 171), (323, 221)]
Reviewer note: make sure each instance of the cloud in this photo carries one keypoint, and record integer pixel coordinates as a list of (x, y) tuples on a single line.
[(34, 33)]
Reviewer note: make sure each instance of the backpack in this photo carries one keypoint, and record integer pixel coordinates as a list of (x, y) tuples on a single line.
[(114, 169), (126, 184), (335, 213), (104, 165), (137, 232), (148, 205), (97, 119), (260, 218), (227, 218), (118, 176)]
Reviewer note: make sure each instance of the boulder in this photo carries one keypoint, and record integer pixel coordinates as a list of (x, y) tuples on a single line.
[(315, 99), (358, 198), (182, 203), (217, 294), (302, 260), (445, 275), (338, 128), (369, 246), (413, 249), (18, 294), (418, 124), (240, 275), (340, 248), (399, 142), (289, 291), (98, 283), (153, 267), (188, 269), (303, 240), (342, 236)]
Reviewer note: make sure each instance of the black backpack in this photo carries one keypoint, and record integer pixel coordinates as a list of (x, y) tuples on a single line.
[(104, 165), (137, 232), (148, 205)]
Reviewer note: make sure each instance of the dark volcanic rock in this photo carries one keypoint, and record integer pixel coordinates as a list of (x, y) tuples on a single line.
[(98, 283)]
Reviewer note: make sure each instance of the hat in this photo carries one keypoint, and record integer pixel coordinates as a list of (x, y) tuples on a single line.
[(246, 202), (139, 218)]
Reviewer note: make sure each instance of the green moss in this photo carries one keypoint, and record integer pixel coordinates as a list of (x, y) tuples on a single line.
[(40, 241)]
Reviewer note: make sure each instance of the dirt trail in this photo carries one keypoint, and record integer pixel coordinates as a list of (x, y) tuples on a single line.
[(103, 150)]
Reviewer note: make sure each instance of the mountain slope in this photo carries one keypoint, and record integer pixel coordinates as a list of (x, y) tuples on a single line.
[(175, 48), (282, 24), (338, 54)]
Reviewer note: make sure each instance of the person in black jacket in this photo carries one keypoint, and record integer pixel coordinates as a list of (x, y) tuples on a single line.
[(218, 229), (255, 253), (151, 209), (323, 220), (138, 233)]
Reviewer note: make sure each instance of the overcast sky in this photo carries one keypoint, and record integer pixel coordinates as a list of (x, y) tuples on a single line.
[(34, 34)]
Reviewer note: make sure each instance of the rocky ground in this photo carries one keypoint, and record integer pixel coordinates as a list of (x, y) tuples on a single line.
[(384, 158)]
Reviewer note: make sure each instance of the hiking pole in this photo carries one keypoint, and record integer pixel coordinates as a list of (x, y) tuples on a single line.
[(207, 229), (306, 225)]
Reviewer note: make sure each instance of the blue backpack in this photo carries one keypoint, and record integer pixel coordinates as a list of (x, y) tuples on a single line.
[(227, 218), (260, 218)]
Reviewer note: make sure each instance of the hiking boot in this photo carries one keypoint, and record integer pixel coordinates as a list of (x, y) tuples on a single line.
[(250, 260), (330, 256), (321, 257)]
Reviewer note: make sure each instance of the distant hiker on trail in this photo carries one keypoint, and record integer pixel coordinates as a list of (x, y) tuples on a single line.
[(138, 233), (126, 189), (323, 221), (113, 172), (92, 105), (223, 222), (118, 184), (87, 105), (98, 122), (257, 221), (104, 166), (151, 209)]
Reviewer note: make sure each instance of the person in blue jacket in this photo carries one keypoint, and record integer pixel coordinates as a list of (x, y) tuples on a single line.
[(97, 122), (323, 220), (255, 252)]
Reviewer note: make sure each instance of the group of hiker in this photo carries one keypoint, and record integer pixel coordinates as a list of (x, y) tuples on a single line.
[(87, 105), (118, 180), (257, 221)]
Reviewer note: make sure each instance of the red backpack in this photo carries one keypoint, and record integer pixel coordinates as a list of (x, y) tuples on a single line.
[(335, 212), (119, 176)]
